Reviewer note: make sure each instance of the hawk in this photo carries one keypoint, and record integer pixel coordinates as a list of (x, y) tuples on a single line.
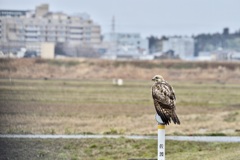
[(164, 100)]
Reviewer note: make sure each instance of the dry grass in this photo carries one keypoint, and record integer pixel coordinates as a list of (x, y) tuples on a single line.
[(221, 72), (93, 107)]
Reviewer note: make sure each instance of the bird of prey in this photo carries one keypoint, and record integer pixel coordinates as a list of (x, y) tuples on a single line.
[(164, 100)]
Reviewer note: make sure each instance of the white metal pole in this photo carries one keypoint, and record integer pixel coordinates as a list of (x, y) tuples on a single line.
[(161, 138), (161, 142)]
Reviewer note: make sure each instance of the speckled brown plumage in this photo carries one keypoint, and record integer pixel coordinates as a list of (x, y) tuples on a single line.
[(164, 100)]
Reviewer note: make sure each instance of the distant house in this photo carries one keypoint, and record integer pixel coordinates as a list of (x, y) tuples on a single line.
[(235, 56), (226, 55)]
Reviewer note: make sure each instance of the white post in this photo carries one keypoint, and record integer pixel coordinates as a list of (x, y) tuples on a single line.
[(161, 138), (161, 142)]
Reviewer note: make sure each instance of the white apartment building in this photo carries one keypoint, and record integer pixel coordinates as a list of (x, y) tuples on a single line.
[(127, 42), (31, 28), (182, 46)]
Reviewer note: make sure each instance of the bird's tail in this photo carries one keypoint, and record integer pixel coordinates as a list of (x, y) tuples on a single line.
[(175, 118), (165, 116)]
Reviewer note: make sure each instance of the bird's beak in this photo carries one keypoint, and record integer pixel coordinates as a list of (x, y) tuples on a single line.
[(153, 79)]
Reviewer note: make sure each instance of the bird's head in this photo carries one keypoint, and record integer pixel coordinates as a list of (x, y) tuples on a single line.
[(157, 78)]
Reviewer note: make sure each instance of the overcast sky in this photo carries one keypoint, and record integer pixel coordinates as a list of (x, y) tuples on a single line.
[(148, 17)]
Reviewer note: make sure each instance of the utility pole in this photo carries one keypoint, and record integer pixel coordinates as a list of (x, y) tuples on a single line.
[(113, 24)]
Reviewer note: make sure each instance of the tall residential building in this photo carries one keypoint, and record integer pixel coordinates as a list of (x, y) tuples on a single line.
[(31, 28)]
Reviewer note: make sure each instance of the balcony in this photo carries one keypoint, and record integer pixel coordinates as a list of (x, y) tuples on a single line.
[(31, 29), (61, 39), (31, 38), (31, 33)]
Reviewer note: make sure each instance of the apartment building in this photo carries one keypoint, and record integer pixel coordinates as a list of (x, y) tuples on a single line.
[(183, 47), (131, 42), (31, 28)]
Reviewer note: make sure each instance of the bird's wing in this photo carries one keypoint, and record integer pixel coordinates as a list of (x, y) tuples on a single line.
[(169, 90), (164, 94), (164, 100), (164, 113)]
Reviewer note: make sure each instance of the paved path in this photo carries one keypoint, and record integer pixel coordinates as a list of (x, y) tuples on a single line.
[(178, 138)]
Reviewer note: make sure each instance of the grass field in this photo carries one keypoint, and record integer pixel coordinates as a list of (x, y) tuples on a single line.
[(99, 107), (208, 103), (112, 149)]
